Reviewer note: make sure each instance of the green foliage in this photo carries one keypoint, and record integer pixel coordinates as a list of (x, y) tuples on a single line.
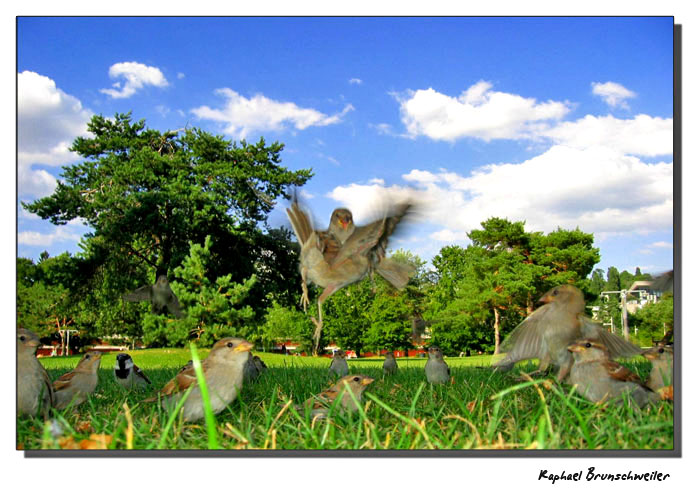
[(214, 309), (653, 320), (285, 323)]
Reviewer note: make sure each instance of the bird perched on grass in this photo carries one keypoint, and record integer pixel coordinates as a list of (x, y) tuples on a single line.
[(75, 386), (253, 368), (436, 369), (661, 376), (127, 374), (339, 366), (223, 373), (547, 332), (598, 378), (34, 390), (321, 403), (160, 295), (345, 253), (389, 366)]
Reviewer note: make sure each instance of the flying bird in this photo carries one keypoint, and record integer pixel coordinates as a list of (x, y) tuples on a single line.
[(598, 378), (160, 295), (75, 386), (345, 253), (34, 390), (127, 374), (223, 372), (547, 332)]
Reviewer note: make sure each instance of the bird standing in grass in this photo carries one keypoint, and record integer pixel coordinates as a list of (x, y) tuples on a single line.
[(321, 403), (34, 390), (661, 376), (127, 374), (547, 332), (345, 253), (436, 369), (160, 295), (598, 378), (339, 365), (223, 372), (389, 366), (253, 368), (75, 386)]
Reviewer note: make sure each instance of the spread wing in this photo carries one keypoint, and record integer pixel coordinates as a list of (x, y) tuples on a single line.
[(47, 383), (301, 223), (617, 347), (527, 341), (63, 381), (174, 305), (138, 295)]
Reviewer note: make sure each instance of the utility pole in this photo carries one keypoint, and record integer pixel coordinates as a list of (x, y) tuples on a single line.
[(623, 301)]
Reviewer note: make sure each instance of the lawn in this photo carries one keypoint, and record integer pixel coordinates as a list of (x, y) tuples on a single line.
[(480, 409)]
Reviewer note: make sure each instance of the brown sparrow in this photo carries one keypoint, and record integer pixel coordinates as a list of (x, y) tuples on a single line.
[(661, 376), (321, 403), (160, 295), (547, 332), (598, 378), (345, 253), (339, 366), (75, 386), (389, 366), (128, 374), (223, 372), (253, 368), (34, 390), (436, 369)]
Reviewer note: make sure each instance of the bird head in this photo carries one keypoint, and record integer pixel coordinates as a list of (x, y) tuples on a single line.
[(342, 217), (434, 353), (660, 352), (588, 349), (123, 360), (26, 341), (357, 383), (231, 349), (90, 362), (567, 295)]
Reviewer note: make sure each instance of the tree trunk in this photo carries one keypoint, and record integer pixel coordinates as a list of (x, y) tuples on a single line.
[(497, 331)]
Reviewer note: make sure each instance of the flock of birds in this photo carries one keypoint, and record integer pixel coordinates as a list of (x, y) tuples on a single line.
[(558, 333)]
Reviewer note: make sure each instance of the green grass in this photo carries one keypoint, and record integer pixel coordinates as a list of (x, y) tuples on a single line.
[(480, 409)]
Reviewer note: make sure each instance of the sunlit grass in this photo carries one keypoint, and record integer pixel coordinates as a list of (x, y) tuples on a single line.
[(479, 409)]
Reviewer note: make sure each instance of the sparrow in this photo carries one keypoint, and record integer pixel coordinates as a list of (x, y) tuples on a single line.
[(254, 366), (390, 366), (34, 390), (128, 374), (339, 366), (321, 403), (345, 253), (223, 371), (160, 295), (598, 378), (75, 386), (661, 377), (547, 332), (436, 369)]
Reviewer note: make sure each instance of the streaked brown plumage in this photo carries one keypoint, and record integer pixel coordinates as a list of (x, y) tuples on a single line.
[(223, 372), (547, 332), (661, 376), (598, 378), (345, 253), (74, 387), (34, 390), (321, 403)]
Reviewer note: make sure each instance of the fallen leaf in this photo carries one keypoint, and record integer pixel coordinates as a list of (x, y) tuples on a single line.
[(471, 406), (67, 442), (83, 426), (96, 441)]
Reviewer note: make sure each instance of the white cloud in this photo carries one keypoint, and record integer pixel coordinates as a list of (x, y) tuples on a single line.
[(60, 234), (355, 80), (661, 245), (180, 75), (136, 75), (478, 112), (382, 128), (241, 116), (448, 236), (613, 94), (642, 135), (48, 120)]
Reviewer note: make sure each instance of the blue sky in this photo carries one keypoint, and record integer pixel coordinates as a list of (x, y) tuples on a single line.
[(559, 122)]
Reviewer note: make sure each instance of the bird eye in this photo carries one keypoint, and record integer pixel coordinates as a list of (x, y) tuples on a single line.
[(230, 345), (22, 338), (87, 357), (588, 345), (356, 379), (555, 292), (661, 350)]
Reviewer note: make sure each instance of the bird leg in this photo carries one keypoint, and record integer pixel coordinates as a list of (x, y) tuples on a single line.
[(319, 326), (304, 290), (544, 365)]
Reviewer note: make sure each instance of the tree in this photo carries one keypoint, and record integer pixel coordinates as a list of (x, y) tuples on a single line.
[(653, 320), (597, 284), (285, 323)]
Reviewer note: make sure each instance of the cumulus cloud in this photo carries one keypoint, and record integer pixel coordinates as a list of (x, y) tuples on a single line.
[(136, 76), (59, 234), (612, 93), (48, 120), (661, 245), (478, 112), (241, 116)]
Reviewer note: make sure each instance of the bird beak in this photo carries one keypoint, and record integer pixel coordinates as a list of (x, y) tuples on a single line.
[(650, 354), (546, 298), (574, 347), (243, 347), (367, 381), (34, 343), (344, 224)]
